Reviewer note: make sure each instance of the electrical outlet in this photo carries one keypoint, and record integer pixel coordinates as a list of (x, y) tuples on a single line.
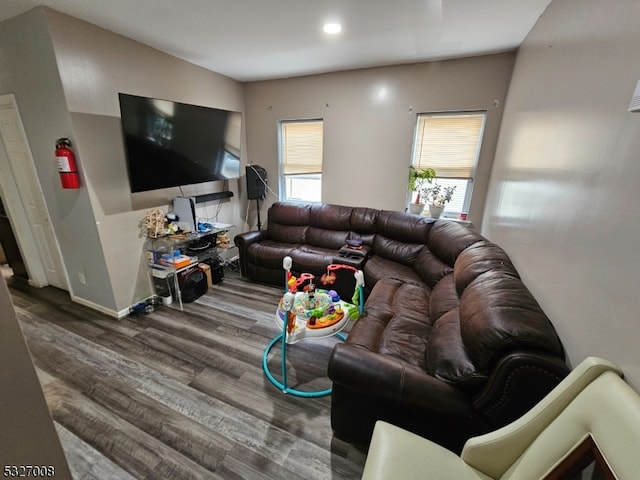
[(82, 278)]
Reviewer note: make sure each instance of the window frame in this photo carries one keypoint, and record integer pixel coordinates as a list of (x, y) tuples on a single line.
[(282, 176), (466, 203)]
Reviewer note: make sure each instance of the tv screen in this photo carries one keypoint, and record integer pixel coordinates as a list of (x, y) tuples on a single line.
[(169, 144)]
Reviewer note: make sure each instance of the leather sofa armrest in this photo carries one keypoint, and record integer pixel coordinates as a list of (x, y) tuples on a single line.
[(390, 379), (517, 382), (243, 241)]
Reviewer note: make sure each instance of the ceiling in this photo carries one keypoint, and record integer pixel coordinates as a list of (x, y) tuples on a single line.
[(250, 40)]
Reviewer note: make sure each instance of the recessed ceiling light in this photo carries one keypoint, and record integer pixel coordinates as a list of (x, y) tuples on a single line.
[(332, 28)]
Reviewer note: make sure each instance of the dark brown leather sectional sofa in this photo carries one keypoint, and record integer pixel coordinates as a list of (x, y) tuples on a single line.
[(451, 344)]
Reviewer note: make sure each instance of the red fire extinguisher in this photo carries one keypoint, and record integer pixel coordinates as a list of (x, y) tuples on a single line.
[(66, 161)]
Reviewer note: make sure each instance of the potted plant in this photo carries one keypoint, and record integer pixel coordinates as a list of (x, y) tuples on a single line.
[(437, 197), (418, 179)]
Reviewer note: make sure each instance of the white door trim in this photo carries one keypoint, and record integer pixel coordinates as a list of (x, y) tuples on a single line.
[(27, 208)]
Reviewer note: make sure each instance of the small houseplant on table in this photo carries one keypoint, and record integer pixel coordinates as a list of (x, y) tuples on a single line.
[(437, 197), (418, 179)]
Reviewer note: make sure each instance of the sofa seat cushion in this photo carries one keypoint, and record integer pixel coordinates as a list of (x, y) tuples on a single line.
[(310, 259), (447, 358), (395, 322), (378, 268), (269, 253)]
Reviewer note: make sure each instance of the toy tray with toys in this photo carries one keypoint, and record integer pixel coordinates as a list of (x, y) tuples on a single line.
[(324, 318)]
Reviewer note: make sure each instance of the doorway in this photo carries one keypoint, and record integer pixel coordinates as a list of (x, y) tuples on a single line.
[(11, 260), (24, 203)]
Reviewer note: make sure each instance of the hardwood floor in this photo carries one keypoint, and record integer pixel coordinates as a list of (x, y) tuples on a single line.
[(182, 395)]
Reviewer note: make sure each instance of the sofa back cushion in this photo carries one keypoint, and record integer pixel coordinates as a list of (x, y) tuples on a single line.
[(289, 222), (329, 226), (400, 237), (330, 217), (448, 239), (363, 224), (479, 258), (497, 315)]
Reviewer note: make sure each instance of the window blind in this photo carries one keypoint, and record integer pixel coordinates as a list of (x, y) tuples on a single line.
[(448, 143), (302, 147)]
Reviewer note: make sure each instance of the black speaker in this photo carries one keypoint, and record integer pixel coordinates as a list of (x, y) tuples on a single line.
[(217, 274), (256, 182), (193, 283), (217, 270)]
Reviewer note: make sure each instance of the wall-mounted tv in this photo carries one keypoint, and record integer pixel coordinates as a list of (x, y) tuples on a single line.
[(170, 144)]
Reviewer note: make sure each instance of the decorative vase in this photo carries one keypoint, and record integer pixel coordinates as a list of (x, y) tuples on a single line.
[(434, 211), (416, 208)]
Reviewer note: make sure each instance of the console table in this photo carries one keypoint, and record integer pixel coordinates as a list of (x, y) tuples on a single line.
[(172, 256)]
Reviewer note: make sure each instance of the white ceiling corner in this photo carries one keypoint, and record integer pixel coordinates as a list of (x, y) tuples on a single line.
[(256, 39)]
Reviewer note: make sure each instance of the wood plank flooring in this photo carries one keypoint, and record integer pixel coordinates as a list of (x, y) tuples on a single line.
[(182, 395)]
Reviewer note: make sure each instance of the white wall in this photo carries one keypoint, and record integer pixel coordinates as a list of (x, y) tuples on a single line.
[(28, 433), (564, 192), (86, 67), (28, 69), (95, 65), (369, 120)]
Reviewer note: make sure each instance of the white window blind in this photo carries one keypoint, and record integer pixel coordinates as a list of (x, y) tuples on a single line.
[(301, 147), (449, 143)]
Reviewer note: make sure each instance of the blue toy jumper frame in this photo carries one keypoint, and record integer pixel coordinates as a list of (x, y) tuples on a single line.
[(282, 338)]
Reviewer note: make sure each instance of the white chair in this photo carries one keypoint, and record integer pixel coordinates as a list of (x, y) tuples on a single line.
[(591, 414)]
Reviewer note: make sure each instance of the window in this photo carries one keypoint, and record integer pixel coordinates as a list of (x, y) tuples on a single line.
[(300, 144), (450, 144)]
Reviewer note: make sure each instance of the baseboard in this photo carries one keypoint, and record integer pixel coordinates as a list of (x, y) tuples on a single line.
[(100, 308)]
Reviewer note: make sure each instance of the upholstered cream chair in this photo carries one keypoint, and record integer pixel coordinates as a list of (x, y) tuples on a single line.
[(591, 414)]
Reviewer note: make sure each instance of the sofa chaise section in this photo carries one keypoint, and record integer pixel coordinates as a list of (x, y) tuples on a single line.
[(451, 343)]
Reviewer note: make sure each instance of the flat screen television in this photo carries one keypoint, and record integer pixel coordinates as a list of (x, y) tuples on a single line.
[(170, 144)]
